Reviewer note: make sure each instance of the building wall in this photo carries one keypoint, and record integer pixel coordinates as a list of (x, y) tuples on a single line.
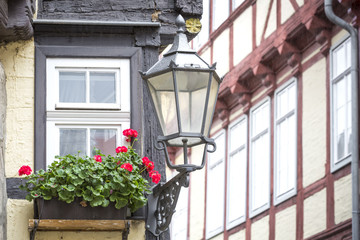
[(18, 61), (255, 34)]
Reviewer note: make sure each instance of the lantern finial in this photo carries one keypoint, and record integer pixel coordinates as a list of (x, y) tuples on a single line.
[(180, 23)]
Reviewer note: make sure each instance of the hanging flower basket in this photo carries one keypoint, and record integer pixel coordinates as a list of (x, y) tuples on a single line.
[(95, 186)]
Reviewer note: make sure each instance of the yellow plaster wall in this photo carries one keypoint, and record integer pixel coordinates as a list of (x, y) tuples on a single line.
[(315, 213), (221, 53), (314, 122), (206, 55), (260, 229), (197, 199), (242, 36), (271, 26), (18, 214), (342, 199), (300, 2), (238, 236), (285, 224), (18, 61), (338, 37), (286, 10), (262, 7), (218, 237)]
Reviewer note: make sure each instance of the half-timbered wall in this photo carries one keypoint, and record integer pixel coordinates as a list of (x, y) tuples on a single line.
[(261, 48)]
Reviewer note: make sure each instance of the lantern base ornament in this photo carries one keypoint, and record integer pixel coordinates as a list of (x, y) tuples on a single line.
[(162, 203)]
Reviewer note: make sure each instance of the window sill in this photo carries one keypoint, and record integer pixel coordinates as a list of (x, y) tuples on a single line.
[(77, 225)]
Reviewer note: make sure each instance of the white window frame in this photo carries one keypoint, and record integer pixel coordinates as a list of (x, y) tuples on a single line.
[(278, 198), (338, 163), (119, 66), (220, 204), (101, 116), (266, 205), (230, 223)]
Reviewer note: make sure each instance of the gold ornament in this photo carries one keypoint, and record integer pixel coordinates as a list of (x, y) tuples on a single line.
[(193, 25)]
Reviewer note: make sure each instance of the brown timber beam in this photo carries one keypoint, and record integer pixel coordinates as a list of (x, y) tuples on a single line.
[(77, 225)]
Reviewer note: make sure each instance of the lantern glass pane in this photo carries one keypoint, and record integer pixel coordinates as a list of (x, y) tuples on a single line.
[(210, 109), (192, 88), (162, 92)]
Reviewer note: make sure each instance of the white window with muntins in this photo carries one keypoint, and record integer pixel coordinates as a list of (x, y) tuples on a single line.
[(340, 105), (236, 173), (285, 142), (87, 105), (215, 191), (259, 158)]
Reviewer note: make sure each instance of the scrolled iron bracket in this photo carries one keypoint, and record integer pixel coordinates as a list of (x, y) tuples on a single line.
[(162, 203)]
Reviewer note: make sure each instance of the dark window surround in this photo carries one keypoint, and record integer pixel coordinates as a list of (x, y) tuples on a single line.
[(43, 52)]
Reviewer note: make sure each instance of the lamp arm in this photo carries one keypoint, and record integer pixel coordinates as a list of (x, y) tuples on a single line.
[(162, 203)]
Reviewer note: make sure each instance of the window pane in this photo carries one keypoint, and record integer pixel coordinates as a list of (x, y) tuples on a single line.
[(72, 87), (103, 139), (285, 156), (260, 119), (339, 61), (72, 141), (102, 87), (215, 198), (238, 136), (260, 172), (237, 186), (216, 188)]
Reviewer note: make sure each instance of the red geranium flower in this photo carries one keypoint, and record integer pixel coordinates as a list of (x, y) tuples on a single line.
[(25, 170), (145, 160), (149, 164), (129, 133), (155, 176), (97, 158), (121, 149), (127, 166)]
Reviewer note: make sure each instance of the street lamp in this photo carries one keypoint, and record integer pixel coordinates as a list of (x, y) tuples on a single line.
[(184, 90)]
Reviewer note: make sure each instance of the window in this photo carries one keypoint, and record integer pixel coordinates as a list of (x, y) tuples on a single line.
[(87, 105), (215, 193), (259, 158), (236, 173), (285, 143), (340, 105)]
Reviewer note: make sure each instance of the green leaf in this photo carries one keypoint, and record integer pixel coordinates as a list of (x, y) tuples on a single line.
[(105, 203), (70, 187), (87, 196), (121, 202), (97, 201), (29, 197)]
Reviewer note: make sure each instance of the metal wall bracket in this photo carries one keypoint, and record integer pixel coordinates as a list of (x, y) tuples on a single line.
[(162, 203)]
